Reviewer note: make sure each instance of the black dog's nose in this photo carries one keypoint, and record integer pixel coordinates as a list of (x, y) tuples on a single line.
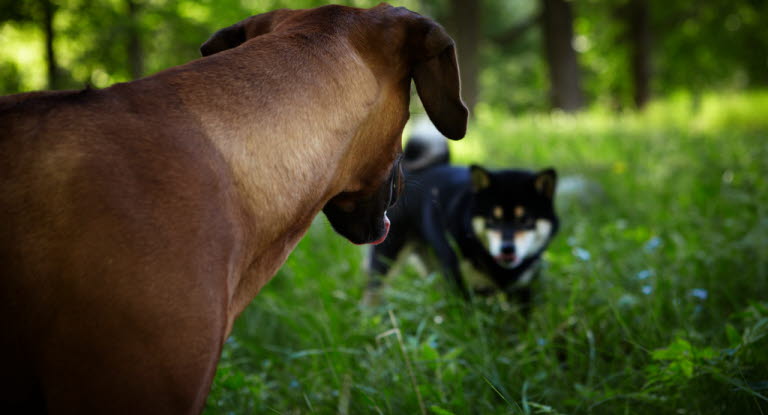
[(507, 248)]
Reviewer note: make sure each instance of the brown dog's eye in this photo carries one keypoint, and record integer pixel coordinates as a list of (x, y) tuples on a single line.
[(395, 183)]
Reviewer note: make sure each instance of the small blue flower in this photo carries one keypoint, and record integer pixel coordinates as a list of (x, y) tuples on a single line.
[(699, 293), (652, 244), (644, 274), (582, 254), (541, 341), (647, 289), (627, 300), (294, 384)]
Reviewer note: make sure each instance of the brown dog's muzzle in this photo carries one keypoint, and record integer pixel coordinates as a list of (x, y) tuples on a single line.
[(363, 219)]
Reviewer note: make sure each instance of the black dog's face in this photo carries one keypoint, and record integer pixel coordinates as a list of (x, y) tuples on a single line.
[(513, 213), (363, 219)]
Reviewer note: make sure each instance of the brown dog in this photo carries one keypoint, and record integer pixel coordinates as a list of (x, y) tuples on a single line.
[(139, 220)]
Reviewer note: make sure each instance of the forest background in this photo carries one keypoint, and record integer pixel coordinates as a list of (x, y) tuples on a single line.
[(654, 298)]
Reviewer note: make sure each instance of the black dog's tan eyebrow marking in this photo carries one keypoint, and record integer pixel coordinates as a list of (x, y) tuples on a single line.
[(519, 211), (498, 212)]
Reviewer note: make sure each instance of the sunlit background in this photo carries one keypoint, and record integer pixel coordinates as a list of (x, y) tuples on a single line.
[(616, 54)]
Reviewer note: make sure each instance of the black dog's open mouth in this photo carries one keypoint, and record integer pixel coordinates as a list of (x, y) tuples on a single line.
[(505, 259)]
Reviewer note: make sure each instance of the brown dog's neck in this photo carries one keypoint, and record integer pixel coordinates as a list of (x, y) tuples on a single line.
[(290, 145)]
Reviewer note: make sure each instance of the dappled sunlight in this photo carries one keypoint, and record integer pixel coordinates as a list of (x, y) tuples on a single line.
[(23, 47)]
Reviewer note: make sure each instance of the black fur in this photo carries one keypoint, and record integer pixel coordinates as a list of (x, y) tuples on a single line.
[(437, 208)]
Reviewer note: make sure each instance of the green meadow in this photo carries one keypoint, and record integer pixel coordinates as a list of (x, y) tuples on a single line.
[(653, 300)]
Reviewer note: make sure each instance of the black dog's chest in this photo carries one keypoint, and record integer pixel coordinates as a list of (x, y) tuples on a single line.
[(437, 211)]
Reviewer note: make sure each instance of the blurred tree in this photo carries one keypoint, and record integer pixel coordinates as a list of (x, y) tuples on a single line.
[(48, 10), (564, 72), (634, 49), (513, 71), (464, 26), (635, 15), (135, 53), (713, 44)]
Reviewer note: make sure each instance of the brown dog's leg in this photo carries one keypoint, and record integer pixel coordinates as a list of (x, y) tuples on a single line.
[(149, 369)]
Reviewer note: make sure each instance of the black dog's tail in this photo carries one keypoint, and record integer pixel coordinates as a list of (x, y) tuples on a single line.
[(426, 147)]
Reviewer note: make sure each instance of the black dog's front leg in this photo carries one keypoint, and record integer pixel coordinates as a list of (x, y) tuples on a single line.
[(436, 237), (523, 297), (520, 289), (450, 265)]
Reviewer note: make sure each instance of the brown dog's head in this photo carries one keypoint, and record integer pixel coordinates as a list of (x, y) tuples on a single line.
[(397, 46)]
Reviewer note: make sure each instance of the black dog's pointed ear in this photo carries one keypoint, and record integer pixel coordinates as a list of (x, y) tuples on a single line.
[(480, 178), (436, 75), (235, 35), (545, 182)]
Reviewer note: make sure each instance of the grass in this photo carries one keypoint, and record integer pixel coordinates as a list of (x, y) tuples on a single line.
[(654, 299)]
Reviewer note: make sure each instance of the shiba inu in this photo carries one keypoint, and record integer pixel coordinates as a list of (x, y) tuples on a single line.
[(500, 221)]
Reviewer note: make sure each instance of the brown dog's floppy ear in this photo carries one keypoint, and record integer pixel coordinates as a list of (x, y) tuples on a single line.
[(545, 182), (437, 81), (235, 35)]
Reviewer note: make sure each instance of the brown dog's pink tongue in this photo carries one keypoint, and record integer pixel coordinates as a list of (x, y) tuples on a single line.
[(386, 232)]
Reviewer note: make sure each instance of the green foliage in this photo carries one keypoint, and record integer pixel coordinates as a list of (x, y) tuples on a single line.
[(92, 37), (9, 77), (696, 46), (719, 41), (652, 300), (678, 362)]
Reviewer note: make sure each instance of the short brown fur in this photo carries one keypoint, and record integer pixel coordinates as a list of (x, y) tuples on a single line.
[(140, 220)]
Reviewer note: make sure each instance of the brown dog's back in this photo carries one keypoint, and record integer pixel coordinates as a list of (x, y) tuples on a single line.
[(86, 201), (138, 221)]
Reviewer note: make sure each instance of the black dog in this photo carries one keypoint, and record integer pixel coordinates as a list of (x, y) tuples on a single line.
[(500, 221)]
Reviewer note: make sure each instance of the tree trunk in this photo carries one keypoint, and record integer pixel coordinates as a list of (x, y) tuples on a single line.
[(54, 80), (464, 27), (640, 37), (564, 71), (135, 52)]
